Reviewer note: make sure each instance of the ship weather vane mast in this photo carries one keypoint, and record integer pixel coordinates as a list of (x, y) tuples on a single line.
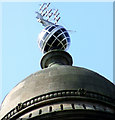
[(53, 36)]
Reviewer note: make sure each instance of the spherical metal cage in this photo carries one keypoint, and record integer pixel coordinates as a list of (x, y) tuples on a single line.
[(53, 37)]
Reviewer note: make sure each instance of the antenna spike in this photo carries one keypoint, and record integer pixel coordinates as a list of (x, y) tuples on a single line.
[(42, 6), (57, 15), (44, 13), (50, 16), (48, 5), (54, 18), (48, 12), (44, 9), (57, 20), (55, 11)]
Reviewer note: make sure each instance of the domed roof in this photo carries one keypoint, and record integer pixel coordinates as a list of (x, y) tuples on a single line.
[(57, 78), (49, 81)]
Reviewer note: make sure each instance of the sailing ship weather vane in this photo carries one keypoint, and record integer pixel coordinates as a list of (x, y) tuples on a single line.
[(53, 36)]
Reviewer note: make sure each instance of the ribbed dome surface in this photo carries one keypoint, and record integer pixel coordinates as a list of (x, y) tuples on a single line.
[(57, 78)]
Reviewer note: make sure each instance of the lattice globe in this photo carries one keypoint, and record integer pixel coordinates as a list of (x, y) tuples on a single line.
[(53, 37)]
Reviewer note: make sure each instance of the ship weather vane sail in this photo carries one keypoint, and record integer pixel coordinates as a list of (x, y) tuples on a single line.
[(53, 36)]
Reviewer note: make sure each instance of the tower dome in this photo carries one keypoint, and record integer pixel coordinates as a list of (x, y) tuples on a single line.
[(61, 92)]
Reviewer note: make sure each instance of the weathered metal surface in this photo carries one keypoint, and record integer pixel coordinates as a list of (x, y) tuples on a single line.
[(57, 78), (55, 84), (56, 57), (62, 100)]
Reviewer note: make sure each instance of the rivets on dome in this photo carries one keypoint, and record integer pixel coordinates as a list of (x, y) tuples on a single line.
[(39, 99), (47, 96), (35, 100), (59, 94), (55, 94)]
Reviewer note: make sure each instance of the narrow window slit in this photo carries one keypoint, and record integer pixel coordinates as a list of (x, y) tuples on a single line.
[(73, 106), (50, 109), (94, 107), (40, 111), (30, 115), (84, 106), (61, 107)]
